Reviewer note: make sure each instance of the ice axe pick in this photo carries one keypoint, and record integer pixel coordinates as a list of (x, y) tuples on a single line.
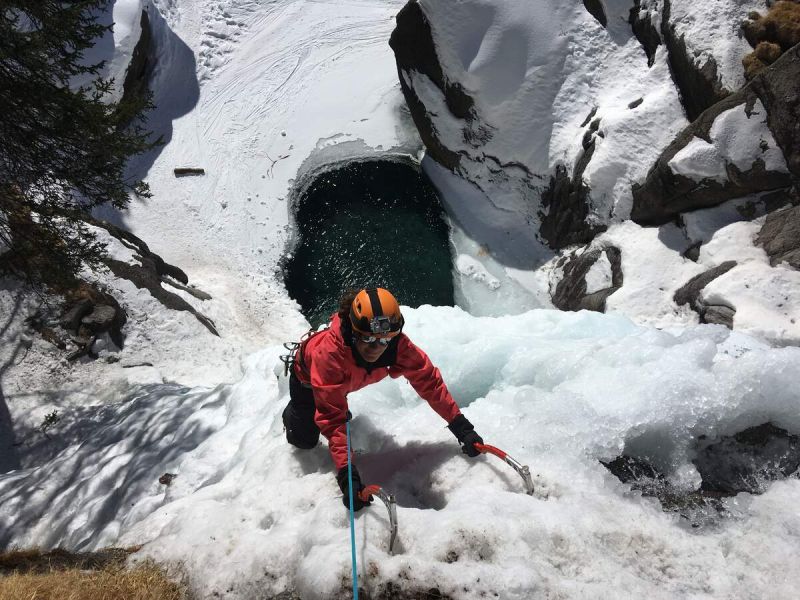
[(391, 506), (523, 470)]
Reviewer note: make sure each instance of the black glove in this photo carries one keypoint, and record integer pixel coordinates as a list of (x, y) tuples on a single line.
[(358, 503), (465, 432)]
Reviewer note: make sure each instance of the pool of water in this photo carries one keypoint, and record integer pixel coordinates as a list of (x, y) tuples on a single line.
[(369, 223)]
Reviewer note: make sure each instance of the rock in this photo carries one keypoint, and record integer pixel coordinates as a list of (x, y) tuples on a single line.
[(691, 294), (81, 301), (414, 50), (72, 317), (167, 478), (693, 252), (100, 319), (135, 85), (630, 469), (665, 193), (645, 31), (748, 460), (780, 237), (778, 90), (717, 314), (699, 86), (697, 507), (567, 201), (571, 291), (596, 9)]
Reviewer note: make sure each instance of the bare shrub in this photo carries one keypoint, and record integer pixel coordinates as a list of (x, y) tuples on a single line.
[(770, 35)]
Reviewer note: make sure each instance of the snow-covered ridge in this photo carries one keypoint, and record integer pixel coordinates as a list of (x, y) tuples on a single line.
[(571, 129)]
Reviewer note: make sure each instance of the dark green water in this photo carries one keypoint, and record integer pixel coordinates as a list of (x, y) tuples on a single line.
[(375, 223)]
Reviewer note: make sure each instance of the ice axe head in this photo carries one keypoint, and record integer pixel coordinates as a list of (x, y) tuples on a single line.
[(521, 469)]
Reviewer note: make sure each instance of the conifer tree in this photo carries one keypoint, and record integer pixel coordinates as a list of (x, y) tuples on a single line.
[(63, 147)]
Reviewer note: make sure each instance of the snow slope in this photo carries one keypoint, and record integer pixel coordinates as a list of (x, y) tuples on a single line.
[(249, 517)]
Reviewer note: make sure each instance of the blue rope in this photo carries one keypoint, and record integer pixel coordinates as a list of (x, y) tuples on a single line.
[(352, 517)]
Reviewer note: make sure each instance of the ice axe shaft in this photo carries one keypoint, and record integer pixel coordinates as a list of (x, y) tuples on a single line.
[(523, 470), (391, 506)]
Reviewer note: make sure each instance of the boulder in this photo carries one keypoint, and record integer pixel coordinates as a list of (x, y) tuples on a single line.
[(571, 291), (71, 319), (666, 192), (100, 319), (780, 237), (83, 301), (691, 294)]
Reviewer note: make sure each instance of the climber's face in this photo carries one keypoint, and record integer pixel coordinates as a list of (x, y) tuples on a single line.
[(371, 350)]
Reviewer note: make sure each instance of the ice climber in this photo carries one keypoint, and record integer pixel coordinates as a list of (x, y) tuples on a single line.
[(363, 344)]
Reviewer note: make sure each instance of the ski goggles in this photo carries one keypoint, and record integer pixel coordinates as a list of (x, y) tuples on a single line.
[(371, 340)]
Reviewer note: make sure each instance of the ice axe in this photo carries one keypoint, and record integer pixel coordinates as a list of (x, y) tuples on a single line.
[(523, 470), (391, 506)]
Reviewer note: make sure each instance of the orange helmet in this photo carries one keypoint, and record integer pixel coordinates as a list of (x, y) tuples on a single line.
[(375, 312)]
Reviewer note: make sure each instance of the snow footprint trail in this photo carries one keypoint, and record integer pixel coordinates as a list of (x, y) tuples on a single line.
[(282, 76), (222, 27)]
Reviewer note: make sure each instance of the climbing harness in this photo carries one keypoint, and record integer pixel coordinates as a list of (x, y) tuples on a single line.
[(295, 354), (523, 470), (288, 359)]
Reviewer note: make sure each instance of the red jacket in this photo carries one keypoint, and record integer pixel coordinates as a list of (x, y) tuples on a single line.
[(330, 367)]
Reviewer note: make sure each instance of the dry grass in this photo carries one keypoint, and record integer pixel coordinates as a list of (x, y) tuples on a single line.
[(768, 52), (60, 575), (779, 28)]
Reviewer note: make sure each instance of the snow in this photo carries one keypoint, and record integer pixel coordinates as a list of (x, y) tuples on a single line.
[(559, 391), (263, 96), (736, 138), (502, 241), (744, 138), (654, 268), (117, 45), (471, 267), (599, 275), (699, 160), (713, 29), (766, 299), (536, 71)]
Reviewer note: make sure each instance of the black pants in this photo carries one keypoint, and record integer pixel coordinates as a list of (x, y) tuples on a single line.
[(298, 416)]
